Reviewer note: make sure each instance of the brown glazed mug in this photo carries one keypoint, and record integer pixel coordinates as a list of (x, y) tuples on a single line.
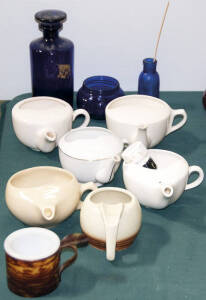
[(33, 260)]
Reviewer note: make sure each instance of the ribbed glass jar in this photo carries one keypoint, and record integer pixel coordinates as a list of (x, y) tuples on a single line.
[(96, 92)]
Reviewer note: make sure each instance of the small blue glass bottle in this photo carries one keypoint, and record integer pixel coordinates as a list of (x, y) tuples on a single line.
[(149, 81), (52, 58), (96, 92)]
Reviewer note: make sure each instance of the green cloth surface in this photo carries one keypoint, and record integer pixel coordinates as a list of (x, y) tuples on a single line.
[(167, 261)]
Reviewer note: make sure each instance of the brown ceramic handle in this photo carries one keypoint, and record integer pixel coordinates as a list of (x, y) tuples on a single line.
[(72, 241), (75, 239), (67, 263)]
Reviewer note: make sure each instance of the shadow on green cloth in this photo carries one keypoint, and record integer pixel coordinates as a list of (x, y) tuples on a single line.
[(187, 210), (185, 143), (140, 251), (138, 254)]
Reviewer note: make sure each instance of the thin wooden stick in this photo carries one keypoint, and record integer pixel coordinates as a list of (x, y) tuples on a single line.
[(158, 39)]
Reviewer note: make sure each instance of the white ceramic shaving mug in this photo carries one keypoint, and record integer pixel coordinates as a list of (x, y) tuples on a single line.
[(110, 218), (91, 154), (44, 196), (142, 118), (160, 187), (39, 122)]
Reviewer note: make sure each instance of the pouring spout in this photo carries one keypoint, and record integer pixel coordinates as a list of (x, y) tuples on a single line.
[(167, 190), (46, 140), (143, 135), (48, 212), (106, 172), (50, 136)]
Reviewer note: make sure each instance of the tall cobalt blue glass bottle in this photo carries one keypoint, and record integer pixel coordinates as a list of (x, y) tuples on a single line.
[(149, 81), (52, 58)]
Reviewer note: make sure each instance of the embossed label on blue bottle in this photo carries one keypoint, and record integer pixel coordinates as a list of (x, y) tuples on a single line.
[(64, 71)]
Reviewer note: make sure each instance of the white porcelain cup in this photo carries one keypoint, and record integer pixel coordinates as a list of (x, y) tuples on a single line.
[(91, 154), (160, 187), (142, 118), (110, 218), (44, 196), (39, 122)]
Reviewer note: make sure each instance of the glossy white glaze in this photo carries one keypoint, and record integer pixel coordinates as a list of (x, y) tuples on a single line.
[(39, 122), (158, 188), (98, 164), (142, 118), (31, 244)]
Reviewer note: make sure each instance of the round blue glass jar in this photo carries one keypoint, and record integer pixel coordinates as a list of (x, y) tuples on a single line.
[(96, 92)]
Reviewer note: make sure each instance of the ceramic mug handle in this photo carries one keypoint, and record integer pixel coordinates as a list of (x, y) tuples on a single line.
[(72, 241), (70, 261), (195, 169), (174, 113), (85, 187), (78, 112)]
